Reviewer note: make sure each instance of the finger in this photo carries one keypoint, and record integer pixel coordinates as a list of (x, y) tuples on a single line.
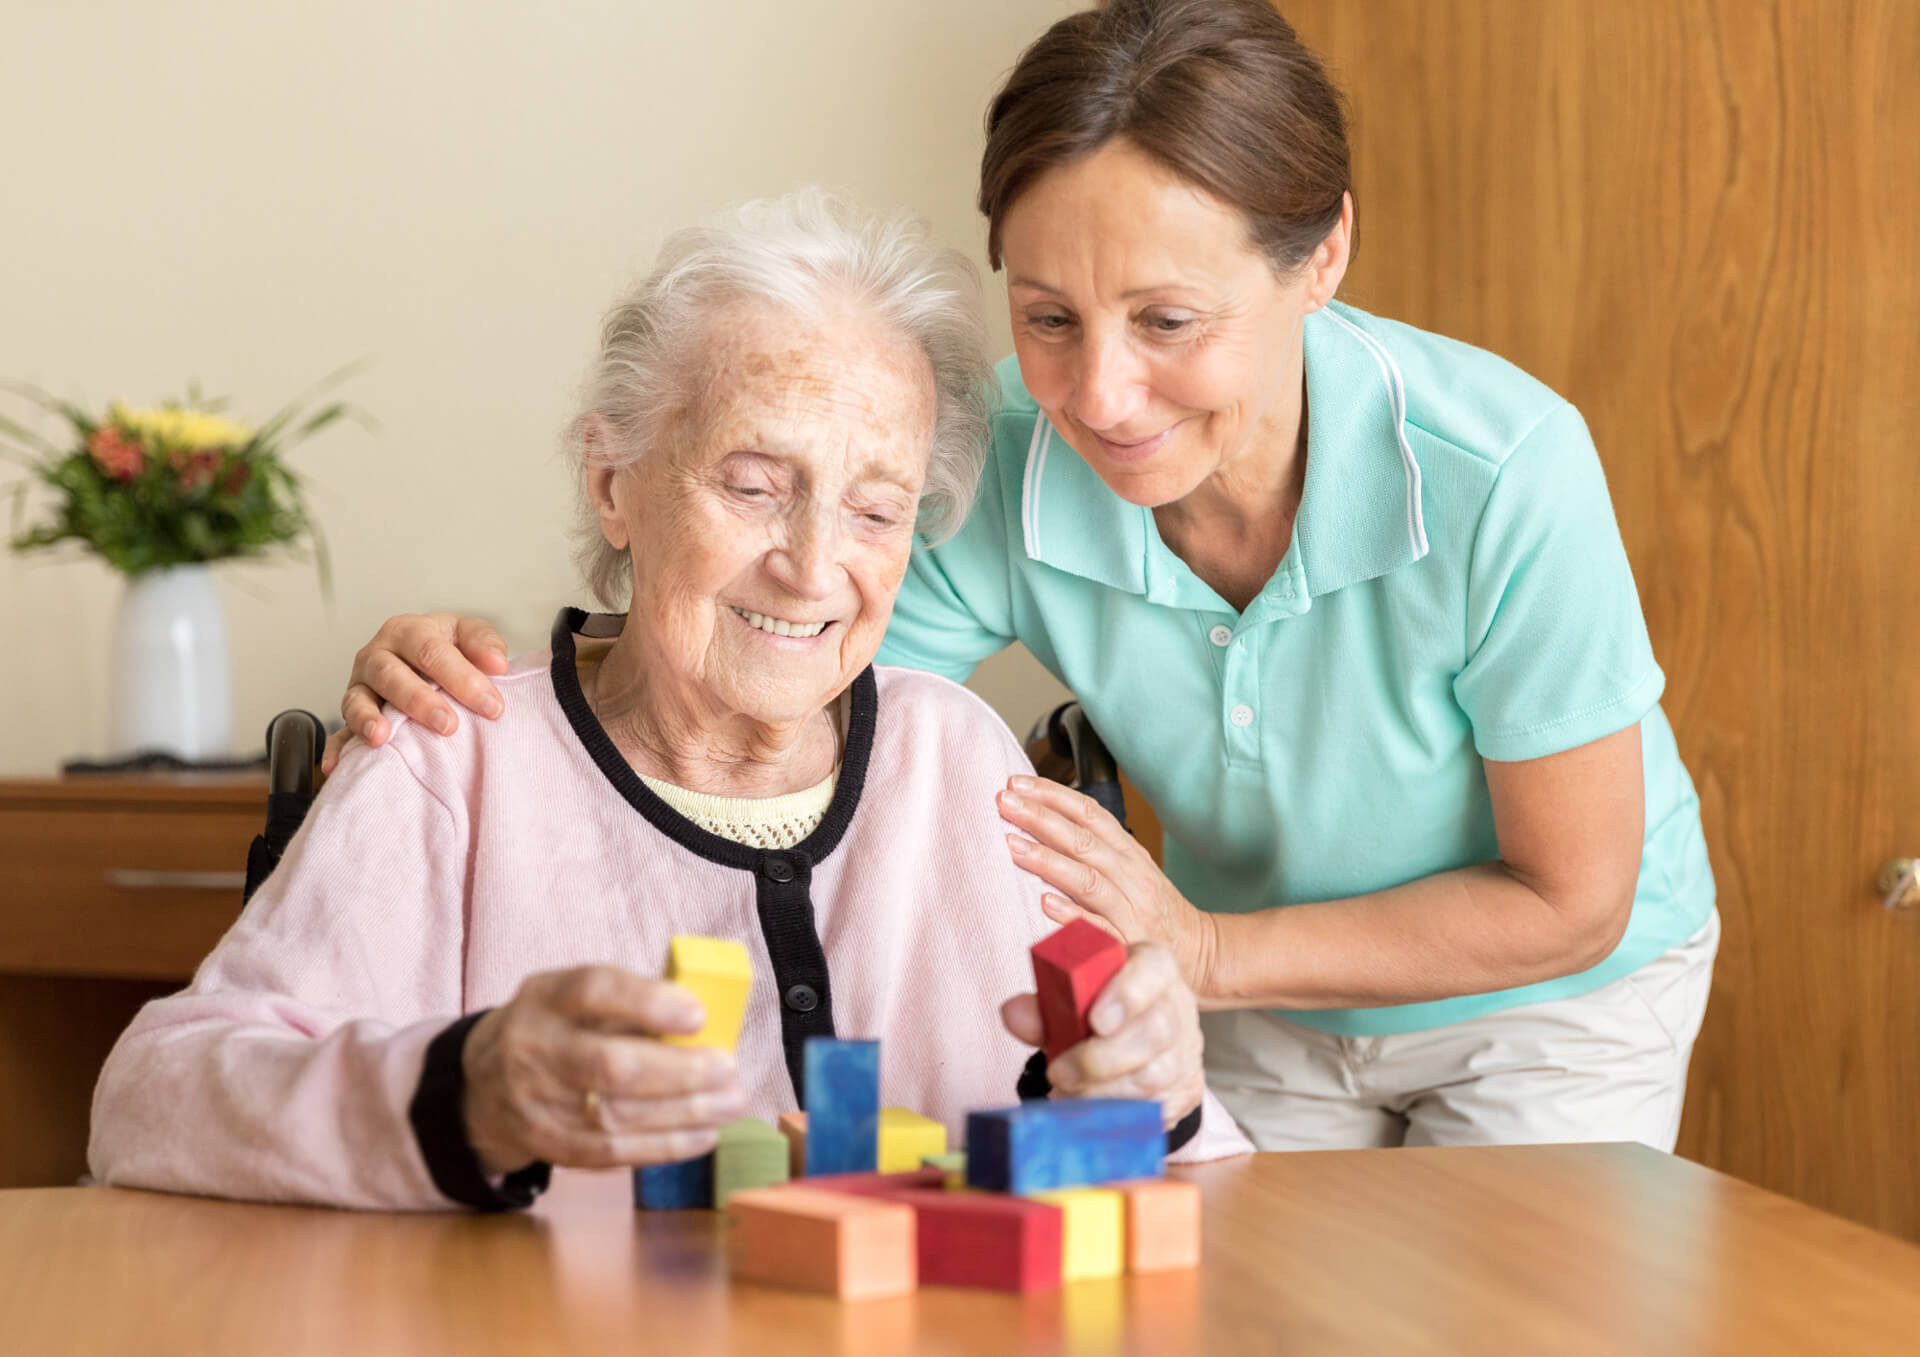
[(360, 709), (336, 746), (1084, 820), (391, 678), (600, 1150), (1081, 882), (1164, 1079), (1149, 976), (636, 1067), (617, 1000), (481, 644), (695, 1112), (1021, 1015), (1063, 911), (434, 650), (1102, 1060)]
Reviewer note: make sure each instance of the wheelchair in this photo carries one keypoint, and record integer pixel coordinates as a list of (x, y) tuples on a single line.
[(1063, 745)]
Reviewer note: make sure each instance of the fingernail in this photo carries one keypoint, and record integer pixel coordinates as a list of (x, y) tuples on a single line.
[(443, 722), (494, 706), (1011, 801), (1018, 844), (1106, 1017), (1022, 781)]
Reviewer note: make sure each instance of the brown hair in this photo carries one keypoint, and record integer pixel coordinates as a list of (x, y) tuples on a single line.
[(1221, 92)]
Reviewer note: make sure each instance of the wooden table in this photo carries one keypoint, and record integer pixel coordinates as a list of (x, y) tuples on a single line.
[(1549, 1249)]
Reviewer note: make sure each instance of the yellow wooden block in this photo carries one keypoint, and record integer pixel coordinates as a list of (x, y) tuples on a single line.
[(906, 1138), (1093, 1231), (717, 973)]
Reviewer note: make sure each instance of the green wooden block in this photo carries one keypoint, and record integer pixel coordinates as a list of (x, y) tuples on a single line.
[(750, 1153), (953, 1164)]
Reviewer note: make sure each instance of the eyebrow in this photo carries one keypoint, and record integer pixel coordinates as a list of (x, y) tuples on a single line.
[(1128, 295)]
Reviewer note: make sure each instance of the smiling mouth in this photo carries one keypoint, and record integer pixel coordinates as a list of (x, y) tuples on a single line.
[(1137, 451), (777, 626)]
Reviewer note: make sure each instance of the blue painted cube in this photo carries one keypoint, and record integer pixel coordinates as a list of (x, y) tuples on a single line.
[(685, 1185), (843, 1105), (1039, 1146)]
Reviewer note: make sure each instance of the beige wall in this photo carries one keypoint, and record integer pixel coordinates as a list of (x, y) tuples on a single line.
[(252, 195)]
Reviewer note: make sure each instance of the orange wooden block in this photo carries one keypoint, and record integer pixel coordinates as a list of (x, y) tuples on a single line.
[(851, 1247), (793, 1125), (1163, 1224)]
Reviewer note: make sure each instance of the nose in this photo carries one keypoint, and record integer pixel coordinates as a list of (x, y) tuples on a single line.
[(806, 562), (1111, 387)]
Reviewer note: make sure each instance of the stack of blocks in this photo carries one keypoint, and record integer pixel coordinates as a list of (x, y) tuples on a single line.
[(1047, 1192)]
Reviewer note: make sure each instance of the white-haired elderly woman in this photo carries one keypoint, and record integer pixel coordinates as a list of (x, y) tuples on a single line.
[(449, 985)]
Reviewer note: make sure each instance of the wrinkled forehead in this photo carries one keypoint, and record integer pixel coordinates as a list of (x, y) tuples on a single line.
[(842, 382)]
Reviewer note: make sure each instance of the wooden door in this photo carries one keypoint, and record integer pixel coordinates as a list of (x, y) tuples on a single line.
[(1701, 222)]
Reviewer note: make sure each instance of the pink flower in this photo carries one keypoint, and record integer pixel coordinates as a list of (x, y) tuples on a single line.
[(195, 468), (119, 456)]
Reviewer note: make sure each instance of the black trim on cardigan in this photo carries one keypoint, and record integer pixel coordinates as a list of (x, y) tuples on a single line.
[(440, 1128), (782, 876), (1035, 1084)]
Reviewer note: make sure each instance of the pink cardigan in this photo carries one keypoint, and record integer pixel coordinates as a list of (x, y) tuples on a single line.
[(434, 874)]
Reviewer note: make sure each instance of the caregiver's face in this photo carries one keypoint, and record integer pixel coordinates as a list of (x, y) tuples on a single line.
[(1158, 341), (771, 524)]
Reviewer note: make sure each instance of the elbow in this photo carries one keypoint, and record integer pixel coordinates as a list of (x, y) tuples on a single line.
[(1595, 922)]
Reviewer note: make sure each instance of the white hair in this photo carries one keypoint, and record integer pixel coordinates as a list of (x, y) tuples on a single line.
[(805, 252)]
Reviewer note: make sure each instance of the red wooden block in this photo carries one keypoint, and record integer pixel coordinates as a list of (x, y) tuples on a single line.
[(1069, 969), (985, 1240), (876, 1184)]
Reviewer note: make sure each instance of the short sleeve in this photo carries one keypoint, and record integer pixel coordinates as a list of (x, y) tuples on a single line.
[(955, 605), (1558, 654)]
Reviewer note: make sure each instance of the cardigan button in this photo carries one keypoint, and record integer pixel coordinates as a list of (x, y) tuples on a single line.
[(779, 869), (802, 998)]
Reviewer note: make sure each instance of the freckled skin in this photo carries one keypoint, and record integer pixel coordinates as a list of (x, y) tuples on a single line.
[(790, 490)]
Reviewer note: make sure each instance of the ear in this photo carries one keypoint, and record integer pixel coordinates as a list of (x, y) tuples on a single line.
[(1329, 263), (597, 446)]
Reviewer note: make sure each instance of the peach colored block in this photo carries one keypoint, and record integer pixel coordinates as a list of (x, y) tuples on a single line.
[(1163, 1224), (851, 1247), (793, 1125)]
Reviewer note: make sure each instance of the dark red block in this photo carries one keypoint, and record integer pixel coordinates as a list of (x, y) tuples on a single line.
[(985, 1240), (1069, 969), (876, 1184)]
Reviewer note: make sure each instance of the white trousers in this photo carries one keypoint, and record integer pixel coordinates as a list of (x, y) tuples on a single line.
[(1607, 1065)]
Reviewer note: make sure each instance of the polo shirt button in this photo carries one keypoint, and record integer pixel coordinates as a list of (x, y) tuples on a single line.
[(1221, 636), (779, 869), (802, 998), (1241, 715)]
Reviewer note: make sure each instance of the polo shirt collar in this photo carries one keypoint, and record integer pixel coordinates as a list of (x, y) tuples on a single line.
[(1360, 516)]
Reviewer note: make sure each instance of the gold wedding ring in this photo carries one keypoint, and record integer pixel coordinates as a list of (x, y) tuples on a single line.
[(591, 1101)]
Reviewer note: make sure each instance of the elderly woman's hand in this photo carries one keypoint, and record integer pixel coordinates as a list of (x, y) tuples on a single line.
[(572, 1072), (1146, 1041), (1103, 874), (402, 663)]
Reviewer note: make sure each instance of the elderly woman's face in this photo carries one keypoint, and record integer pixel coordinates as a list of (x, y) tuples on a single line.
[(770, 526), (1157, 339)]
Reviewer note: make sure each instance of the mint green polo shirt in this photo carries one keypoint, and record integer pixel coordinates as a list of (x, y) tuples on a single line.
[(1456, 589)]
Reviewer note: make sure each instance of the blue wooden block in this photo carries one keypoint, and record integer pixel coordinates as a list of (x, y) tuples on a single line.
[(843, 1105), (680, 1186), (1039, 1146)]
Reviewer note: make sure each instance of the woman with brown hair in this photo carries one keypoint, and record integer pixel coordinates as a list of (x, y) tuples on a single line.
[(1346, 599)]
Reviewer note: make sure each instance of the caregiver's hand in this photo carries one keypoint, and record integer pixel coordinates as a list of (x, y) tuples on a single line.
[(531, 1064), (1103, 874), (1146, 1041), (396, 665)]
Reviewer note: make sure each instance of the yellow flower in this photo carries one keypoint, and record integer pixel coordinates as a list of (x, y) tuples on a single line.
[(171, 427)]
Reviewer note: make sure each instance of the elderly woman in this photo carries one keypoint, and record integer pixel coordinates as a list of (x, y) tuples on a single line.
[(446, 987), (1346, 599)]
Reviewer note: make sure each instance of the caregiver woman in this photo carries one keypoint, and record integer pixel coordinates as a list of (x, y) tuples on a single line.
[(1346, 599)]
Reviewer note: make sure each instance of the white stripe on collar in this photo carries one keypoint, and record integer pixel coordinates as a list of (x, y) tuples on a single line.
[(1397, 396), (1030, 490)]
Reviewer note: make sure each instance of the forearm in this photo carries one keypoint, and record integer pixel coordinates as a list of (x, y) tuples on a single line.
[(1467, 931)]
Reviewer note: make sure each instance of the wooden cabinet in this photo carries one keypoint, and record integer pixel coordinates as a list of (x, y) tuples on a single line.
[(111, 891)]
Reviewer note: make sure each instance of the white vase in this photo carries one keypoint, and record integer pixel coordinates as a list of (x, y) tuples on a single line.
[(172, 679)]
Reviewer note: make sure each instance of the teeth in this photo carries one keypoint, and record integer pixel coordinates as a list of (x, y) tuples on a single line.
[(779, 627)]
